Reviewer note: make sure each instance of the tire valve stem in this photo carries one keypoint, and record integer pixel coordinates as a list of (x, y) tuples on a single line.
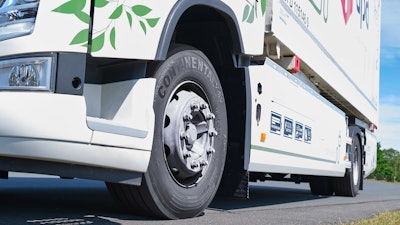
[(174, 170)]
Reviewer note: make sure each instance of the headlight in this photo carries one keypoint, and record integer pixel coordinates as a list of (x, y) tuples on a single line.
[(17, 17), (26, 74)]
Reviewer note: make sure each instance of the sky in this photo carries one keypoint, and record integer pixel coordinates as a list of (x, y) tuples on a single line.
[(389, 112)]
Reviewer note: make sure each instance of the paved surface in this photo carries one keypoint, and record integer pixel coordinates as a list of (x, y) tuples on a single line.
[(47, 200)]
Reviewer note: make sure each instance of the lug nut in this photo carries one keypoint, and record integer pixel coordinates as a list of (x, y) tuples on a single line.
[(203, 106), (194, 106), (187, 155), (203, 163), (184, 136), (187, 117), (213, 133), (210, 116), (194, 164), (211, 150)]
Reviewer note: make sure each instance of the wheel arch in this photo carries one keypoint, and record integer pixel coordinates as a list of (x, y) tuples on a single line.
[(181, 7)]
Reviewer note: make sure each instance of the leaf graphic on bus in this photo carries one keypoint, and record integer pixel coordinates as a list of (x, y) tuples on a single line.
[(250, 10), (117, 13), (141, 10), (81, 37), (100, 3), (98, 43), (138, 15), (112, 38), (71, 7), (152, 22)]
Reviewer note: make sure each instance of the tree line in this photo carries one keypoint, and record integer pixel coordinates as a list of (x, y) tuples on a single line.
[(387, 165)]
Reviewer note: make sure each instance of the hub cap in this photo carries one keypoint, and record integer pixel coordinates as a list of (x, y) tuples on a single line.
[(188, 135)]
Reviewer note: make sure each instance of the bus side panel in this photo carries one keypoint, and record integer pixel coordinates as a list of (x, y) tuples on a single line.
[(339, 40)]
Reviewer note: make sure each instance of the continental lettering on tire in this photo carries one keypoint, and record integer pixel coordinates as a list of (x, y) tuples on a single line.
[(140, 14), (166, 81)]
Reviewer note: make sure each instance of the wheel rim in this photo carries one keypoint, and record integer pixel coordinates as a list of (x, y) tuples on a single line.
[(188, 134), (356, 167)]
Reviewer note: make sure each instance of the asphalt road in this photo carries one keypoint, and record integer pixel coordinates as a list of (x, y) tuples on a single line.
[(46, 200)]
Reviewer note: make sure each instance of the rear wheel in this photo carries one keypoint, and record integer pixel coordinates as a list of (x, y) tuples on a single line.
[(349, 185), (190, 139)]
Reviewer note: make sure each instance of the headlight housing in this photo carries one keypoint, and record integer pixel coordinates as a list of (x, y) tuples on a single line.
[(33, 73), (17, 17)]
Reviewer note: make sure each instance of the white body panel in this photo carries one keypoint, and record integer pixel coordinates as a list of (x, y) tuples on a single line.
[(135, 160), (53, 127), (136, 37), (323, 39), (370, 153), (304, 133), (121, 118)]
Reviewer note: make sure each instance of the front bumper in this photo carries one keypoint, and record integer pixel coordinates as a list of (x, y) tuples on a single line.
[(52, 127)]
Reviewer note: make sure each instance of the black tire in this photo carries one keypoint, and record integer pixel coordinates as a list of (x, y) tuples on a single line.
[(321, 186), (349, 185), (190, 139)]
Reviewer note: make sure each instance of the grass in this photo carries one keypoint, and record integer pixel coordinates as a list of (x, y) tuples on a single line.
[(387, 218)]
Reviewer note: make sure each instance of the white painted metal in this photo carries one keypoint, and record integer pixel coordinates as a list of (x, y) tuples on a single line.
[(130, 109), (370, 153), (339, 44), (44, 115), (75, 153), (305, 134)]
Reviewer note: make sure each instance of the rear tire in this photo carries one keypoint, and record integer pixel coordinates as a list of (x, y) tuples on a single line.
[(190, 138), (349, 185)]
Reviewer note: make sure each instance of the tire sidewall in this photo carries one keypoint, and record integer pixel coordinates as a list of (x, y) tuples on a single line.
[(169, 196), (356, 151)]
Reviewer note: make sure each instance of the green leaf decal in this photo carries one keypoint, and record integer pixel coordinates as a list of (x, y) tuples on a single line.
[(136, 15), (100, 3), (141, 10), (84, 17), (143, 25), (112, 37), (152, 22), (98, 43), (251, 15), (71, 7), (80, 37), (246, 12), (117, 13), (263, 6), (129, 19)]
